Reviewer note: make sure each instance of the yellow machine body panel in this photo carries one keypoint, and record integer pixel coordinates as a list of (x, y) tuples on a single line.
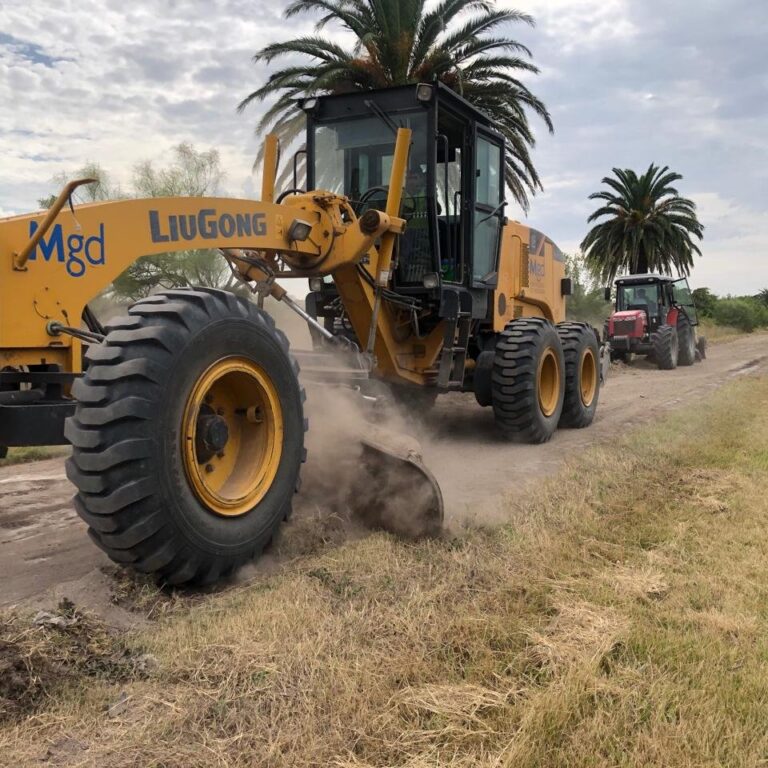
[(531, 270), (81, 252)]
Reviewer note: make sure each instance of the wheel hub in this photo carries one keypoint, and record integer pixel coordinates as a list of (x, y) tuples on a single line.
[(211, 435), (232, 436)]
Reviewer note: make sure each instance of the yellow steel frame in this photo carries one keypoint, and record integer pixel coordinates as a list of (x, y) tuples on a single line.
[(53, 263)]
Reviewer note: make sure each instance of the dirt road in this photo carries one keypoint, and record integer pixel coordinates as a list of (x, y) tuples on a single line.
[(45, 552)]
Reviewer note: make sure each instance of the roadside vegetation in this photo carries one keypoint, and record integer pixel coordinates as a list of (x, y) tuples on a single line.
[(35, 453), (587, 303), (619, 619), (744, 313)]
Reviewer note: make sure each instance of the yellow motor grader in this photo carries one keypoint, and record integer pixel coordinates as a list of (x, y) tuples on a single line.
[(185, 415)]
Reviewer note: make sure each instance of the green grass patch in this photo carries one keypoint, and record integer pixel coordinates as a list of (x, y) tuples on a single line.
[(35, 453)]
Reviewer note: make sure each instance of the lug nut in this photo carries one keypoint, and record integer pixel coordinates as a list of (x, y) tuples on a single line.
[(209, 468)]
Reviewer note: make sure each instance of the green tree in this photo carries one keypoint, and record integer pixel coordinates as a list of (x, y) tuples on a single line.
[(102, 189), (647, 226), (705, 301), (762, 297), (457, 42), (190, 173), (587, 303)]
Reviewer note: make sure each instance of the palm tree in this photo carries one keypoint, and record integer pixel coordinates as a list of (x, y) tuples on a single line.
[(648, 228), (397, 42)]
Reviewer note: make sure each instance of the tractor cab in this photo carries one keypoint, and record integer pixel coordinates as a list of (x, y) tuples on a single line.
[(652, 311), (654, 296), (453, 197)]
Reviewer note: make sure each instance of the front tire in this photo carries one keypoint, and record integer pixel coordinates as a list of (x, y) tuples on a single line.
[(665, 347), (528, 380), (686, 337), (188, 435), (582, 374)]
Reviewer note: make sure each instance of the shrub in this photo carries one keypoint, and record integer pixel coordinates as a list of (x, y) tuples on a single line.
[(743, 314), (705, 301)]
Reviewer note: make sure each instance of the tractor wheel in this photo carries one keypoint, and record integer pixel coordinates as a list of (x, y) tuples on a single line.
[(582, 374), (188, 435), (686, 339), (665, 347), (528, 380)]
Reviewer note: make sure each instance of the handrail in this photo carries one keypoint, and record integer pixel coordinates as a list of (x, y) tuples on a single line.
[(20, 258)]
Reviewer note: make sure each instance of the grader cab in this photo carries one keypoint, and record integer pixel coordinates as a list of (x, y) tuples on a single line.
[(185, 415)]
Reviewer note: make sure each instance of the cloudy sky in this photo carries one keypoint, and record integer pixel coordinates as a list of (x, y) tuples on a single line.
[(676, 82)]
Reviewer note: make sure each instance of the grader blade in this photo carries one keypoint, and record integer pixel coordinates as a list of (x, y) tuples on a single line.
[(395, 491)]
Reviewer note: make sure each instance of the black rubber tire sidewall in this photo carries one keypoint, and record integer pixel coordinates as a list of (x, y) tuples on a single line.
[(516, 407), (204, 530), (664, 342), (126, 434), (686, 339), (576, 340)]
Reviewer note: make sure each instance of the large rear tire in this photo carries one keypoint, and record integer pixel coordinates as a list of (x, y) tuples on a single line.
[(528, 380), (686, 339), (582, 374), (188, 435), (665, 347)]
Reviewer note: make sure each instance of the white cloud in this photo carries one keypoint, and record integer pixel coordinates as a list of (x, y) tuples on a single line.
[(680, 84), (734, 251), (579, 24), (127, 83)]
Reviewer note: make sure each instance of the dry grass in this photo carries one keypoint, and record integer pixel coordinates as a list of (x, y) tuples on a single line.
[(620, 619), (715, 334)]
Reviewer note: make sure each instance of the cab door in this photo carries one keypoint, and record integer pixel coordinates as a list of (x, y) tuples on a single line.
[(681, 294), (488, 209)]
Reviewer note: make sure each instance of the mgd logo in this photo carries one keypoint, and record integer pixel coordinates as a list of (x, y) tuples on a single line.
[(536, 268), (76, 252)]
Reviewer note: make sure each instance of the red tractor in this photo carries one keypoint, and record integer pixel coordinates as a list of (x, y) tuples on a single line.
[(654, 316)]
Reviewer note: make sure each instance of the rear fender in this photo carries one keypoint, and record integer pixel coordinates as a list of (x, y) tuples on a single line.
[(672, 316)]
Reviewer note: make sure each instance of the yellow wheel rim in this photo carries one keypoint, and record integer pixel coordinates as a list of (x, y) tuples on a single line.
[(588, 377), (232, 436), (549, 381)]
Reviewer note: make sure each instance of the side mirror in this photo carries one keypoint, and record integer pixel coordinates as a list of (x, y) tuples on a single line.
[(607, 293), (566, 286)]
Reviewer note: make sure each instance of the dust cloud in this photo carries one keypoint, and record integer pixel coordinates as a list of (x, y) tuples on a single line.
[(347, 489)]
